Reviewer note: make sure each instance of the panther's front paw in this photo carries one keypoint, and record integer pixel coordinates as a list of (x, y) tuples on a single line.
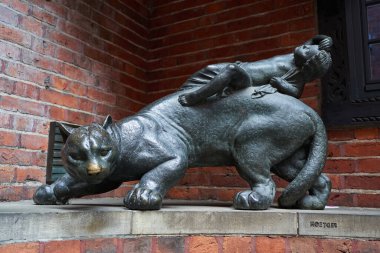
[(250, 200), (44, 195), (143, 199)]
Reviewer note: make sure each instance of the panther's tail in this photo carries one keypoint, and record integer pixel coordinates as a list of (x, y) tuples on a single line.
[(311, 169)]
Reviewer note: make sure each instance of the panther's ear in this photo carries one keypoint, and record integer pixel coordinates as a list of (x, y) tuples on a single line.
[(107, 122), (65, 130)]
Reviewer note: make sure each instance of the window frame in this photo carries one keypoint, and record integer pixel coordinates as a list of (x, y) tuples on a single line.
[(348, 99)]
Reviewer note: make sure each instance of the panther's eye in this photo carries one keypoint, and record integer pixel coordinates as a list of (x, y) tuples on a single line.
[(105, 151), (76, 157)]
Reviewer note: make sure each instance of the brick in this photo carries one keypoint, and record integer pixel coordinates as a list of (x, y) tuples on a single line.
[(209, 193), (78, 118), (32, 25), (368, 200), (69, 246), (195, 179), (99, 246), (29, 247), (3, 66), (55, 97), (8, 16), (26, 73), (34, 142), (237, 244), (227, 194), (23, 106), (9, 139), (337, 181), (230, 180), (364, 246), (75, 30), (170, 245), (9, 51), (340, 166), (340, 135), (43, 46), (41, 61), (7, 86), (202, 244), (15, 36), (64, 40), (41, 126), (101, 96), (125, 103), (362, 182), (26, 90), (367, 133), (78, 74), (140, 244), (5, 120), (77, 18), (25, 173), (87, 105), (301, 244), (83, 62), (42, 15), (270, 244), (56, 9), (358, 149), (341, 199), (65, 55), (22, 157), (56, 113), (69, 86), (279, 182), (95, 54), (336, 246), (214, 170), (85, 11), (369, 165), (17, 5), (10, 193), (334, 150), (183, 193), (7, 174), (23, 123)]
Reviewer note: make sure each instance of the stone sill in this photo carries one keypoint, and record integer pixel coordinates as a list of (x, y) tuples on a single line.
[(91, 218)]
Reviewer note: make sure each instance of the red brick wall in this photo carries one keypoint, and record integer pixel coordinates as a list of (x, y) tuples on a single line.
[(187, 35), (72, 61), (198, 244), (77, 61)]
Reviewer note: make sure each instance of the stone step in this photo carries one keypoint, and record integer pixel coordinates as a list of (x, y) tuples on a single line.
[(106, 217)]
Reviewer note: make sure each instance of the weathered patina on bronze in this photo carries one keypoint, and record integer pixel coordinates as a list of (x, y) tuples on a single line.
[(232, 117)]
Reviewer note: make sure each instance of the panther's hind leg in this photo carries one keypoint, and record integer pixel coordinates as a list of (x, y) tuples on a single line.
[(318, 193), (256, 171)]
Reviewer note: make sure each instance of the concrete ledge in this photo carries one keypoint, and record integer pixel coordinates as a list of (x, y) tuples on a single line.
[(86, 218)]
